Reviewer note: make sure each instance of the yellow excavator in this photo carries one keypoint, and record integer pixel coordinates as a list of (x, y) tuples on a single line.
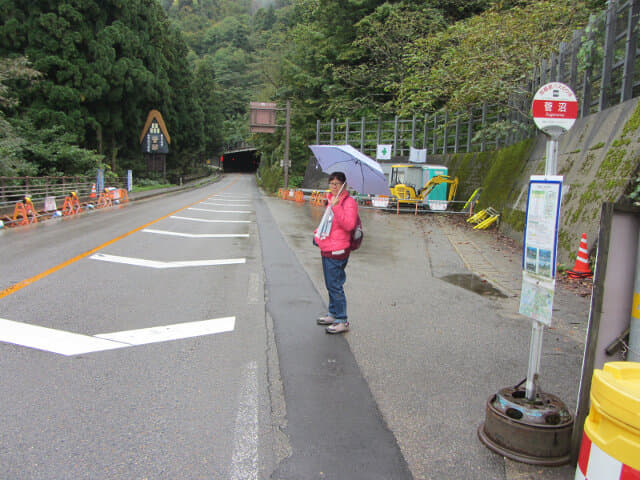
[(405, 192)]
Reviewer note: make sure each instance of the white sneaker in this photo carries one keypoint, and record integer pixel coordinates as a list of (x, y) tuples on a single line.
[(338, 327), (325, 320)]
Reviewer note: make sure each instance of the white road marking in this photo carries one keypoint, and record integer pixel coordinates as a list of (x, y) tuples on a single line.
[(141, 262), (227, 204), (69, 343), (198, 235), (176, 331), (219, 211), (209, 221), (51, 340), (244, 461)]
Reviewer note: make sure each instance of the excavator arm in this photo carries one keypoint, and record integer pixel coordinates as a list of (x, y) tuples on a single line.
[(437, 180)]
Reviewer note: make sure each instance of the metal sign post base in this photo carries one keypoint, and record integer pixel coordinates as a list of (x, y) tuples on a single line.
[(535, 432)]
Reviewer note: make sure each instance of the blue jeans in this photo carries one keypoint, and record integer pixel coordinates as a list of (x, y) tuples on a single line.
[(334, 278)]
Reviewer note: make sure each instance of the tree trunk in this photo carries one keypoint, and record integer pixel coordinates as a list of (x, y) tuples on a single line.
[(114, 154)]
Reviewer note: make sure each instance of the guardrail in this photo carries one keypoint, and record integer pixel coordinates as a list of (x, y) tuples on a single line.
[(14, 189), (382, 202)]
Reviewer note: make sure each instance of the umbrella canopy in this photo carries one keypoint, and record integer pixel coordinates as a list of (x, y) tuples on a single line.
[(363, 174)]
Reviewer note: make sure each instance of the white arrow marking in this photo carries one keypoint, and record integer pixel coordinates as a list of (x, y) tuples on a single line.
[(141, 262), (69, 343), (219, 211), (50, 340), (176, 331), (209, 221), (198, 235)]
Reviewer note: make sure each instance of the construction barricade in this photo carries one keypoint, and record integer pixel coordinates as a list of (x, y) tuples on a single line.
[(318, 198), (610, 448), (104, 200), (71, 205), (299, 196), (25, 212), (484, 218)]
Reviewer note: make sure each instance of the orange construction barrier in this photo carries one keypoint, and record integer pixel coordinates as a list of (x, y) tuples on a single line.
[(104, 200), (25, 211), (581, 268), (285, 194), (71, 205), (321, 198), (124, 195), (299, 197)]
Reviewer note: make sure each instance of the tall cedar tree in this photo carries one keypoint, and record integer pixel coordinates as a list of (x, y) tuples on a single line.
[(105, 64)]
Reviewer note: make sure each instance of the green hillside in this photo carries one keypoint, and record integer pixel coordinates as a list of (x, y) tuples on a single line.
[(77, 78)]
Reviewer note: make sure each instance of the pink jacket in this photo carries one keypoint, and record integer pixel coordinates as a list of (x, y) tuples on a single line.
[(345, 216)]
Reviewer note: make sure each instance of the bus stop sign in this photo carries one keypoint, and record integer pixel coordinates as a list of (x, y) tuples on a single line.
[(555, 108)]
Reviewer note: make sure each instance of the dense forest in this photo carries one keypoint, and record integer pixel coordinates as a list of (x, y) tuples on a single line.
[(78, 77)]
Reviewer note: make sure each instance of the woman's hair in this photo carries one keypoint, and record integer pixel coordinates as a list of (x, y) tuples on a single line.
[(338, 176)]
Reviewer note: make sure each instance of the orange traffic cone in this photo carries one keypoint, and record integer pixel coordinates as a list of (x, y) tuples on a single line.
[(93, 191), (581, 268)]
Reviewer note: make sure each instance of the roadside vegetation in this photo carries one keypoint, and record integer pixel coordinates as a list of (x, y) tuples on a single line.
[(77, 78)]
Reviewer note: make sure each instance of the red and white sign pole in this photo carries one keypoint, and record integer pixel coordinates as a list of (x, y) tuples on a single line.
[(555, 109)]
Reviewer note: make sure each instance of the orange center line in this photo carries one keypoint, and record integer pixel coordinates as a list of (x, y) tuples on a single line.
[(25, 283)]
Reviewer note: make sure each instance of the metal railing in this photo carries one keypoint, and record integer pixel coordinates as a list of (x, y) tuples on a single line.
[(598, 63), (14, 189)]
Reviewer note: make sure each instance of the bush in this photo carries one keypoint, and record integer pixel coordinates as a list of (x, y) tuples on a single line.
[(295, 181), (270, 178)]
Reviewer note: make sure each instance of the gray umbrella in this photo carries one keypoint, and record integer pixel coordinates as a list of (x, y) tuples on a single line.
[(363, 174)]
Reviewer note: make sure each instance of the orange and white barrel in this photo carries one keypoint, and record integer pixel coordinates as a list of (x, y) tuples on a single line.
[(610, 448)]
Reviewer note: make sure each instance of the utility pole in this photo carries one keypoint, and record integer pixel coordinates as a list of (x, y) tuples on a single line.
[(287, 128)]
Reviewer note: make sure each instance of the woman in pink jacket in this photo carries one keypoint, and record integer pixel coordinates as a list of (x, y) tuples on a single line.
[(334, 249)]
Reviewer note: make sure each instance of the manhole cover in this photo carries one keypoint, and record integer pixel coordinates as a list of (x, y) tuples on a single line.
[(473, 283)]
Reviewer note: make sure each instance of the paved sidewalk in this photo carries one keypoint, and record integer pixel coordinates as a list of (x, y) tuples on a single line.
[(433, 352)]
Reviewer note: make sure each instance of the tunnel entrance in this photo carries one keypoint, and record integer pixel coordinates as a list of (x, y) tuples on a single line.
[(246, 160)]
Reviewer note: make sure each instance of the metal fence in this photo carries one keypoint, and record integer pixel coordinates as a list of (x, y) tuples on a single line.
[(14, 189), (598, 63)]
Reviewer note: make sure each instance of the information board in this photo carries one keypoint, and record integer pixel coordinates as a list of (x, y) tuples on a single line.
[(540, 247)]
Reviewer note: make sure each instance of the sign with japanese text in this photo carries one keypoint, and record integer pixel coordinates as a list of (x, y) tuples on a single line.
[(540, 247), (555, 107)]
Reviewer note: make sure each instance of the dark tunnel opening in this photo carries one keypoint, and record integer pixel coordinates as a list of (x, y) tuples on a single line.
[(240, 161)]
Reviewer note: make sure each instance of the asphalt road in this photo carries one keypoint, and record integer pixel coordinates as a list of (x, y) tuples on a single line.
[(174, 352), (115, 400), (141, 342)]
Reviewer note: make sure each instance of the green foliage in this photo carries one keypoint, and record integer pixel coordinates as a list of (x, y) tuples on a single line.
[(507, 165), (295, 181), (145, 184), (486, 56), (270, 177), (104, 66)]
